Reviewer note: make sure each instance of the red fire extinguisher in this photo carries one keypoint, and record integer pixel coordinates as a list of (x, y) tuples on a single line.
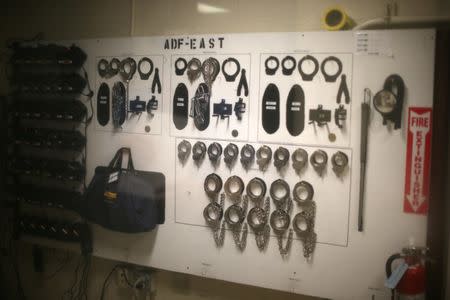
[(412, 284)]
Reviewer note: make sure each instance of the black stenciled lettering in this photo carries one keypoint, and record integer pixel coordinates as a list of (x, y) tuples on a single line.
[(173, 44), (192, 44), (202, 44), (221, 42)]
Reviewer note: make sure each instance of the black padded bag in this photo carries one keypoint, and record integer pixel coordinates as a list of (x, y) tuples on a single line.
[(124, 199)]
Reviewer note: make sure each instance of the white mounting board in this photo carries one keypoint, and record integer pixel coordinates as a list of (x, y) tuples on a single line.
[(317, 91), (354, 271), (331, 193), (136, 87), (221, 89)]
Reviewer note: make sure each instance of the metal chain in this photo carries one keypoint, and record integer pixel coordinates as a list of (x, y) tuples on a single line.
[(219, 231), (309, 245), (267, 209), (241, 239), (287, 207), (199, 106), (285, 250), (210, 70), (262, 237), (309, 240), (219, 234)]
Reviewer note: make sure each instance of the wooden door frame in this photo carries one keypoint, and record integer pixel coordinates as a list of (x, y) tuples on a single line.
[(437, 233)]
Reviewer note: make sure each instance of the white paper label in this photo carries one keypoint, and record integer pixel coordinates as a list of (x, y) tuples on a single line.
[(373, 43), (113, 177)]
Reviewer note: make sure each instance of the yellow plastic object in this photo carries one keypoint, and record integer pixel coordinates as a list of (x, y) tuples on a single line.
[(336, 19)]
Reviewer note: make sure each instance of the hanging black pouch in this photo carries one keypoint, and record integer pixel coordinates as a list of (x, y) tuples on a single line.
[(124, 199)]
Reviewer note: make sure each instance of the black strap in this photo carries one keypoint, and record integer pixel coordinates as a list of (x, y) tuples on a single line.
[(343, 90), (242, 84), (156, 82), (394, 83), (116, 162), (145, 76)]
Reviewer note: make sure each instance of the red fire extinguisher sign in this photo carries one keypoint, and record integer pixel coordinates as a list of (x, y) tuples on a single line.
[(418, 153)]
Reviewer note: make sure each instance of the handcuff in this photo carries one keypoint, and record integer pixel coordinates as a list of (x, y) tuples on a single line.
[(142, 75), (299, 159), (310, 76), (108, 70), (234, 187), (214, 151), (339, 161), (234, 217), (235, 210), (303, 192), (272, 71), (198, 151), (319, 160), (213, 214), (231, 77), (281, 157), (275, 187), (103, 68), (256, 218), (230, 154), (307, 234), (263, 157), (127, 75), (184, 149), (331, 77), (284, 69), (247, 155), (212, 185), (180, 71), (256, 184), (280, 221)]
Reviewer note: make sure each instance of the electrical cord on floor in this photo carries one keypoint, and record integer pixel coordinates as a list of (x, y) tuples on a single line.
[(105, 283), (88, 120), (9, 251), (63, 263), (78, 289)]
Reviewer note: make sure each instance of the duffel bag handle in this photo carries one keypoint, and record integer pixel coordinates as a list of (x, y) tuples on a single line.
[(116, 162)]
